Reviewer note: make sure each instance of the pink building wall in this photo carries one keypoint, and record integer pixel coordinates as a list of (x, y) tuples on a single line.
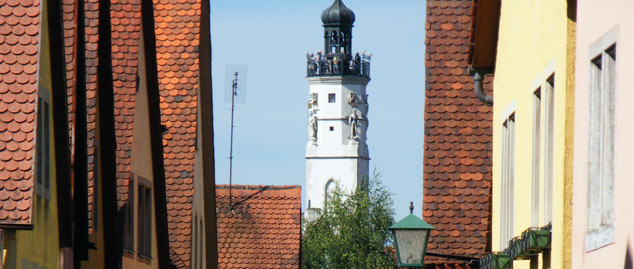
[(596, 21)]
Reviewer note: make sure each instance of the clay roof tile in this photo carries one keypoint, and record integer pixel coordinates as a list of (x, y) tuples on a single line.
[(457, 167), (278, 223), (19, 35)]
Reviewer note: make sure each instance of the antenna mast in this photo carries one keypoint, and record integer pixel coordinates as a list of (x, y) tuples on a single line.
[(237, 90), (234, 86)]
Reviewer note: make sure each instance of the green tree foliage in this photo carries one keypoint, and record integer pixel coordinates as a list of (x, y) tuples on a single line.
[(353, 230)]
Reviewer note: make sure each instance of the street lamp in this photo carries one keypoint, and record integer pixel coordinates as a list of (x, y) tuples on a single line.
[(410, 237)]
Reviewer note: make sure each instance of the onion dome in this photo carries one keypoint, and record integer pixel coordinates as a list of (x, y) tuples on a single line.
[(337, 14)]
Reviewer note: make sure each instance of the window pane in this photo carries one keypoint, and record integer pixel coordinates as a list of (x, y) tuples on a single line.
[(129, 217), (148, 223), (141, 220)]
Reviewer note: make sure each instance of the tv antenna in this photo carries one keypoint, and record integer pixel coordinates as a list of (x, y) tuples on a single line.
[(235, 91)]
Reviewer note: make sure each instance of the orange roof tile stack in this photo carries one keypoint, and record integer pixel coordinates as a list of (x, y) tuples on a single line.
[(91, 12), (458, 137), (19, 36), (126, 35), (177, 29), (264, 228), (70, 50)]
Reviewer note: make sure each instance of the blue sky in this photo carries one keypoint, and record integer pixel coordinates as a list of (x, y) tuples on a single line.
[(271, 38)]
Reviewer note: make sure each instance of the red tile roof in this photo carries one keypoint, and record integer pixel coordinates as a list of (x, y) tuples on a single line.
[(458, 137), (124, 80), (126, 34), (177, 38), (264, 228), (19, 36), (177, 25)]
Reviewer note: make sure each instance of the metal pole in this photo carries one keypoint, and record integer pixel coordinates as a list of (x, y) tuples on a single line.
[(234, 85)]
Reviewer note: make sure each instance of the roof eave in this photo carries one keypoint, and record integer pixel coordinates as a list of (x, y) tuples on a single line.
[(484, 34), (8, 226)]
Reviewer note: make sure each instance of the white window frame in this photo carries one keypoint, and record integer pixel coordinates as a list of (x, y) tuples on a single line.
[(507, 186), (549, 146), (601, 119), (535, 165), (328, 188)]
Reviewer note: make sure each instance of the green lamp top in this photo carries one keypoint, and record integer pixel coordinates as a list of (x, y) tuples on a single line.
[(412, 222)]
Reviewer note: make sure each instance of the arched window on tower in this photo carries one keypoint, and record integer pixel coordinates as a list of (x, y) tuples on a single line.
[(329, 188), (342, 42)]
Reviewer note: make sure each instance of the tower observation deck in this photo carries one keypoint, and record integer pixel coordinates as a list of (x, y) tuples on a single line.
[(336, 58)]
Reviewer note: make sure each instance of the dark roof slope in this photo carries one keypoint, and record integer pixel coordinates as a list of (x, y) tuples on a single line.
[(70, 48), (458, 137), (264, 228)]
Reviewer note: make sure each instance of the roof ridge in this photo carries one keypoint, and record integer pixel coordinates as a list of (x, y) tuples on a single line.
[(258, 187)]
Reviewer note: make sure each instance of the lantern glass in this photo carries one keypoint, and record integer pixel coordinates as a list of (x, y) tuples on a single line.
[(411, 244)]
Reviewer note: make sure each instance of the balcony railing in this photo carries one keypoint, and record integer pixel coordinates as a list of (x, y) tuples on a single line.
[(337, 65)]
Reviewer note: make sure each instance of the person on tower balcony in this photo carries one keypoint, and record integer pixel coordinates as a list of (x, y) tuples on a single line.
[(311, 64), (353, 66), (335, 62), (357, 62), (318, 60)]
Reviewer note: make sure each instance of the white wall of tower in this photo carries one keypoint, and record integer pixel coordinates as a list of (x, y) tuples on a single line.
[(336, 152)]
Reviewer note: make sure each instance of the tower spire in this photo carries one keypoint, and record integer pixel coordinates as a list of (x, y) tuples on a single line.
[(338, 21)]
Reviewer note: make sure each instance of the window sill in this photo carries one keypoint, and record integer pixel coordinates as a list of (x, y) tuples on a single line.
[(128, 253), (145, 258), (599, 237)]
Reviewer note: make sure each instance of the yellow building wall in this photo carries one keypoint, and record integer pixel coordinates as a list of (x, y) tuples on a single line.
[(41, 244), (536, 39), (141, 166)]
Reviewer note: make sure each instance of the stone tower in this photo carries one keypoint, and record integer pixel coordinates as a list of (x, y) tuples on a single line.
[(337, 111)]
